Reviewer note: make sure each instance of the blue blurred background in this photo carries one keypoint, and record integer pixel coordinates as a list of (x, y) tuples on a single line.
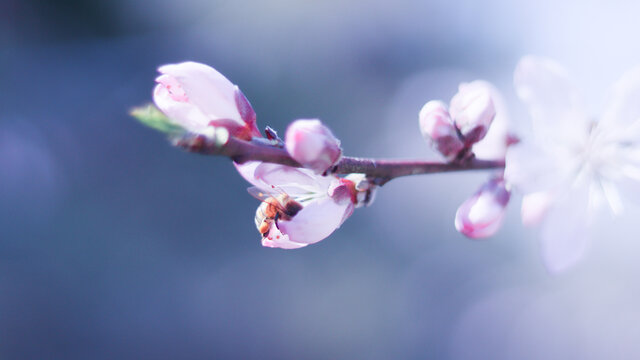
[(113, 245)]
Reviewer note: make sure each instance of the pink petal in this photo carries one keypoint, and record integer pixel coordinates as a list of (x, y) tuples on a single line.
[(553, 102), (183, 113), (244, 107), (248, 170), (206, 89), (342, 191), (276, 239), (316, 221)]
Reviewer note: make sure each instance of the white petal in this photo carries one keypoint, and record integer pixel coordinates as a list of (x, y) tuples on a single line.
[(207, 89), (316, 221), (612, 196), (627, 180), (620, 179), (565, 231), (629, 189), (552, 100), (535, 207), (624, 107), (529, 168), (293, 181)]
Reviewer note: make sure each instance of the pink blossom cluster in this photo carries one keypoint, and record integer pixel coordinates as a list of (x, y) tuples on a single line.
[(566, 167), (300, 206)]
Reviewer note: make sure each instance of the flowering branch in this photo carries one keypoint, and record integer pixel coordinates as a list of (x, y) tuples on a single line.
[(306, 185), (566, 170), (381, 170)]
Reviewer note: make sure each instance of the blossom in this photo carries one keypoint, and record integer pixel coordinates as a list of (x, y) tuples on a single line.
[(482, 214), (312, 144), (196, 96), (454, 131), (572, 166), (327, 201)]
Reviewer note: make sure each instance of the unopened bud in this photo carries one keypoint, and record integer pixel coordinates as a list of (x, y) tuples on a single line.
[(472, 110), (482, 214), (312, 144), (438, 129)]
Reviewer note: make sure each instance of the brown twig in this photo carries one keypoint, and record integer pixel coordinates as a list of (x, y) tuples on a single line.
[(382, 170)]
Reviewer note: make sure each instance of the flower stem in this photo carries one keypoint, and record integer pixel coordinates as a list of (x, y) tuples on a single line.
[(382, 170), (387, 169)]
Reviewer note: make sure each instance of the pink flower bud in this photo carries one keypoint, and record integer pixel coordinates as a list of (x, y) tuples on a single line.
[(437, 128), (196, 96), (482, 214), (472, 110), (312, 144)]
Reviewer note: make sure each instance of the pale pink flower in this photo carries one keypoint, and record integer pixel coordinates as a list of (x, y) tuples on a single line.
[(438, 129), (327, 201), (482, 214), (312, 144), (472, 110), (571, 166), (196, 96)]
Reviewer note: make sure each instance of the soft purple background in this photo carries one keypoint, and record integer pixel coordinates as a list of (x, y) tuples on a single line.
[(113, 245)]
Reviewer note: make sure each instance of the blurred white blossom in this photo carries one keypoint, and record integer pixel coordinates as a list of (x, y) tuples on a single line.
[(572, 166)]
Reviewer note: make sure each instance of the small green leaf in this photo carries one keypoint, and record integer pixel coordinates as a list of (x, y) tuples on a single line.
[(150, 116)]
